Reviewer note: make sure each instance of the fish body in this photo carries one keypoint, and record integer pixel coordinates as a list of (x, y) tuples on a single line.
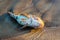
[(32, 21)]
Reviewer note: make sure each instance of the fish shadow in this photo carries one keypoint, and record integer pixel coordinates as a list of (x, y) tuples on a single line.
[(9, 27)]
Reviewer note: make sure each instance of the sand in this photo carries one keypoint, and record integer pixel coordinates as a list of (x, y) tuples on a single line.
[(8, 25)]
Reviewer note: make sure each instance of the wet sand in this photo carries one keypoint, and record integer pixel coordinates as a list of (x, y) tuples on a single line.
[(8, 25)]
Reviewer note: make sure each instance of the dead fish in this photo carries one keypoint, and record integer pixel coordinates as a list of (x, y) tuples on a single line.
[(28, 20)]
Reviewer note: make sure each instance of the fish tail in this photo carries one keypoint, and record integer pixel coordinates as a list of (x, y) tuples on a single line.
[(12, 15)]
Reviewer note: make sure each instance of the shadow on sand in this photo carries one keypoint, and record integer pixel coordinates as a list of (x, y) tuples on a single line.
[(9, 27)]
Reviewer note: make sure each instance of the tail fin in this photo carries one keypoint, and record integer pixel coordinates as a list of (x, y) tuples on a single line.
[(12, 15)]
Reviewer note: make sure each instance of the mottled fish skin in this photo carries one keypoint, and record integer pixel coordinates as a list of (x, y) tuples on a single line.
[(33, 21)]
